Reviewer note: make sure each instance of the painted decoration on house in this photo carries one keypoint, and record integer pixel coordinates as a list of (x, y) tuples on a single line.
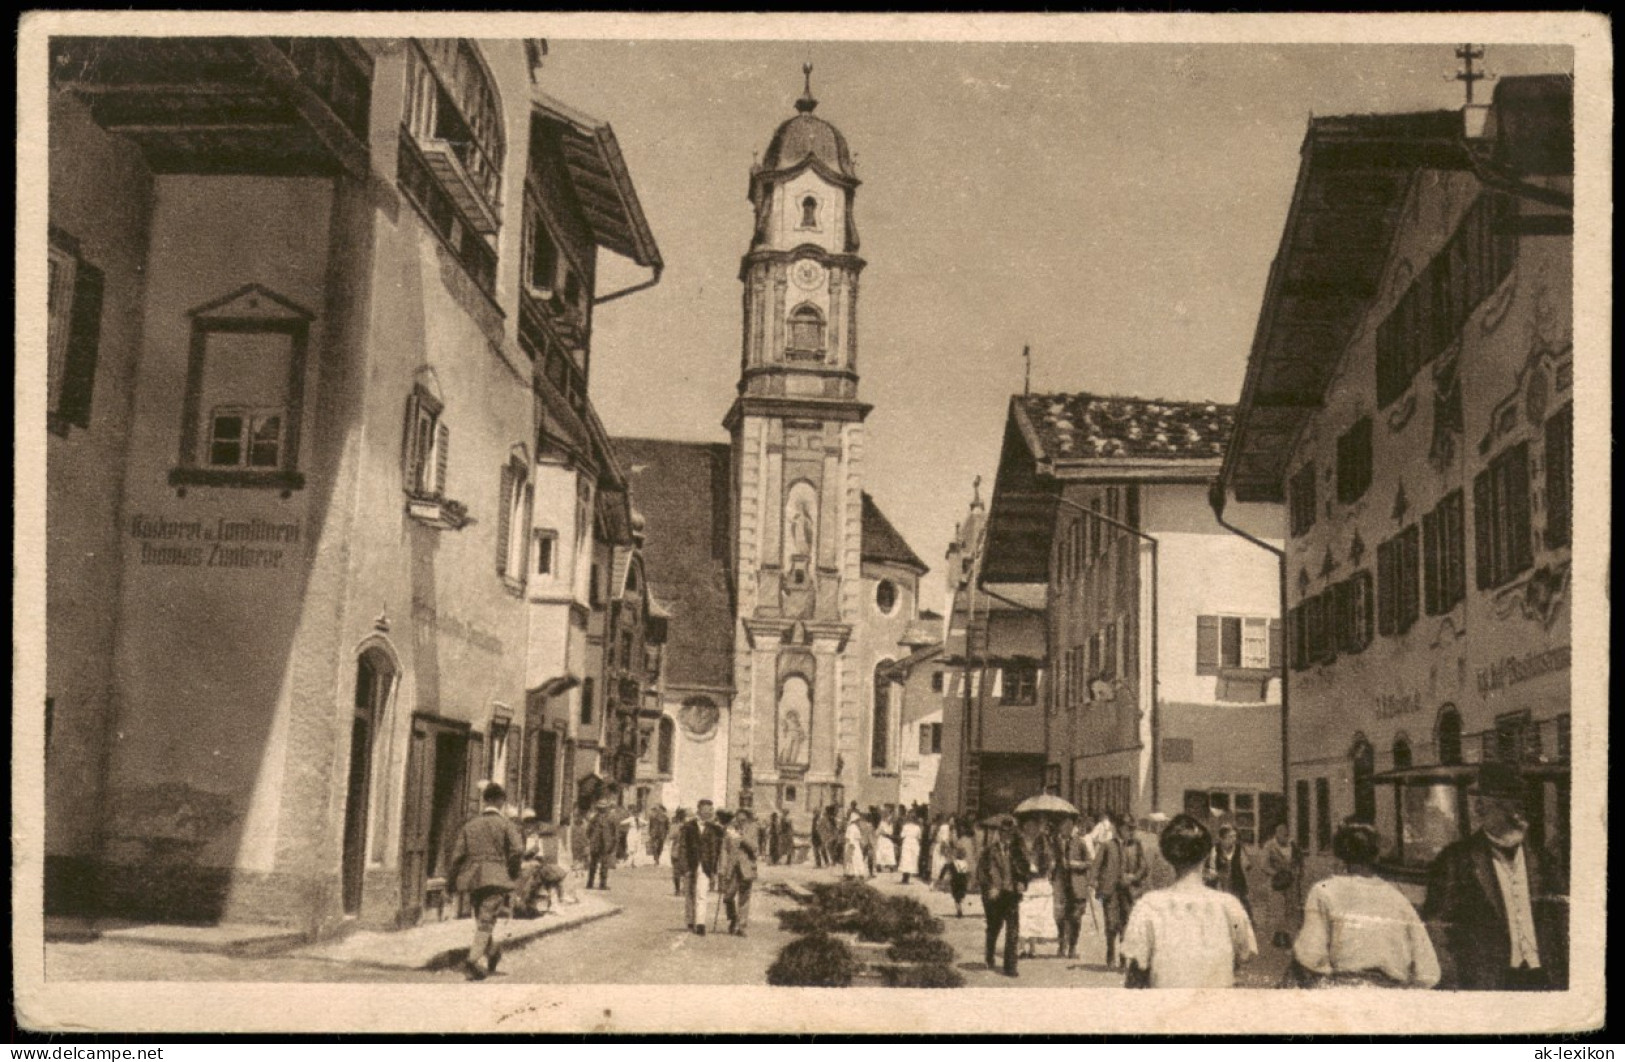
[(1537, 596)]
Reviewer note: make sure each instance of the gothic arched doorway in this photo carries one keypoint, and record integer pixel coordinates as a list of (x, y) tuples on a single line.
[(374, 676)]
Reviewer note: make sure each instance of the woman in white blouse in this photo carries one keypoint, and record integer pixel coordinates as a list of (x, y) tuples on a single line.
[(1359, 929), (1187, 935)]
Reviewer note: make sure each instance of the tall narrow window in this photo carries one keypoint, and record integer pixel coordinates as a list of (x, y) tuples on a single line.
[(880, 734), (1354, 461), (428, 447), (1501, 518), (1402, 753), (1397, 578), (1444, 555), (667, 745), (547, 544), (73, 333), (1449, 735), (1305, 809), (809, 212), (1363, 763), (513, 522), (1323, 814), (588, 692), (541, 253)]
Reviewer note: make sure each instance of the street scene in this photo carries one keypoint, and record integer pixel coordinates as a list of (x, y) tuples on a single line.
[(810, 514)]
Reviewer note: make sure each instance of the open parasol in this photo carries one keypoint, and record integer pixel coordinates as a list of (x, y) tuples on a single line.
[(1045, 804)]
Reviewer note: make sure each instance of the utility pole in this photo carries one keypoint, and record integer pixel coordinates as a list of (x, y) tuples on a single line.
[(1469, 54)]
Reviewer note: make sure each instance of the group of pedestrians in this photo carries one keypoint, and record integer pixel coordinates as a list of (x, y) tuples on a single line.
[(715, 852)]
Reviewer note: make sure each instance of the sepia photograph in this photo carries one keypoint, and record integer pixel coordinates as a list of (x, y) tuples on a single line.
[(696, 524)]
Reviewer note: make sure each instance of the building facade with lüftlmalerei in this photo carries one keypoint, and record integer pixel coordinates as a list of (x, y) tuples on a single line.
[(791, 595), (291, 627), (1410, 398)]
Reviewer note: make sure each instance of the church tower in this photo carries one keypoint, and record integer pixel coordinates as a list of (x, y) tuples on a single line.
[(795, 731)]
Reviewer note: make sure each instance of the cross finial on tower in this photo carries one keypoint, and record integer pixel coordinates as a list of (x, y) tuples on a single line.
[(806, 103), (1469, 54)]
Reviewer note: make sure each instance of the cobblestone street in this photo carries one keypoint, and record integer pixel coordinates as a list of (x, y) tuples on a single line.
[(644, 944)]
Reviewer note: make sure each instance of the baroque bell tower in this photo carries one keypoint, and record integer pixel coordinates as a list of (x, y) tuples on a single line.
[(797, 437)]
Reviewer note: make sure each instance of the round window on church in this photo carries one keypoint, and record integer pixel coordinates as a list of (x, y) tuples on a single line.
[(886, 596)]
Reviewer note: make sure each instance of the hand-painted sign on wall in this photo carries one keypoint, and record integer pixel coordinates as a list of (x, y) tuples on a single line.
[(1516, 669), (217, 543)]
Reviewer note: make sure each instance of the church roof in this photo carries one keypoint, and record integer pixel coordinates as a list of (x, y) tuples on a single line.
[(881, 542), (681, 488), (1083, 426), (807, 135)]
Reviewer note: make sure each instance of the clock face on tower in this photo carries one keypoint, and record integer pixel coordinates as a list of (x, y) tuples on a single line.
[(807, 274)]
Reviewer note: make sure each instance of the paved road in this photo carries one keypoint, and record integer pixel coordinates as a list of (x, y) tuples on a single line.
[(645, 944)]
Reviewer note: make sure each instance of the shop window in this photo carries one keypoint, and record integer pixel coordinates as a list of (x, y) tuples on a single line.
[(1449, 736), (1444, 556), (1397, 582), (807, 330), (1301, 498), (1354, 461), (1501, 518), (73, 333), (1559, 477)]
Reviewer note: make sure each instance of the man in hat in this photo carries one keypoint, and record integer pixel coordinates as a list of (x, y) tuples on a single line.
[(1001, 876), (484, 864), (700, 839), (738, 870), (603, 836), (1485, 895), (659, 826)]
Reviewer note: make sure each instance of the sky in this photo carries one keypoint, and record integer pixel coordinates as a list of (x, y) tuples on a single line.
[(1114, 206)]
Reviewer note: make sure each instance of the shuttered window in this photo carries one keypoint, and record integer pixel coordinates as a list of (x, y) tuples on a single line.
[(1501, 518), (1354, 462), (1560, 477), (1398, 597), (1444, 556), (73, 333), (513, 522), (426, 451)]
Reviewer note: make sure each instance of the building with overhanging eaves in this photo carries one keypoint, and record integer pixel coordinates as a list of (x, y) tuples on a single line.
[(1409, 399), (790, 592), (1163, 628), (320, 317)]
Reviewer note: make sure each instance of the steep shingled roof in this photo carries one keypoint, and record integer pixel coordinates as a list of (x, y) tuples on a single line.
[(881, 542), (681, 489), (1073, 426)]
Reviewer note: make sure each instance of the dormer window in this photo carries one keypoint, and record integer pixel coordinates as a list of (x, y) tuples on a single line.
[(809, 212), (807, 329)]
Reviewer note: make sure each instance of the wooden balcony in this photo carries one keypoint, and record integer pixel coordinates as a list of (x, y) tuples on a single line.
[(227, 105)]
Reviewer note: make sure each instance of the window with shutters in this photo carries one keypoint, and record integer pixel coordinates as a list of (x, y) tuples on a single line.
[(1428, 317), (1353, 612), (880, 728), (1398, 593), (1301, 499), (1444, 556), (1501, 518), (1354, 461), (1559, 477), (1244, 642), (73, 333), (513, 523)]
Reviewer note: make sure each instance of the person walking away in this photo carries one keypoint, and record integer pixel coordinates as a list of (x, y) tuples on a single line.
[(942, 841), (1136, 865), (962, 860), (1228, 867), (816, 838), (603, 837), (1187, 935), (908, 859), (1492, 899), (868, 826), (1075, 885), (484, 863), (1358, 929), (773, 839), (1284, 863), (701, 838), (1001, 877), (1038, 899), (738, 871)]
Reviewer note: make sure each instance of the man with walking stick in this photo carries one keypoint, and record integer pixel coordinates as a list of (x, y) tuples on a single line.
[(701, 841)]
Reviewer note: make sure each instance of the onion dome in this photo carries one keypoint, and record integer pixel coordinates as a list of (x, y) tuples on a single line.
[(808, 135)]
